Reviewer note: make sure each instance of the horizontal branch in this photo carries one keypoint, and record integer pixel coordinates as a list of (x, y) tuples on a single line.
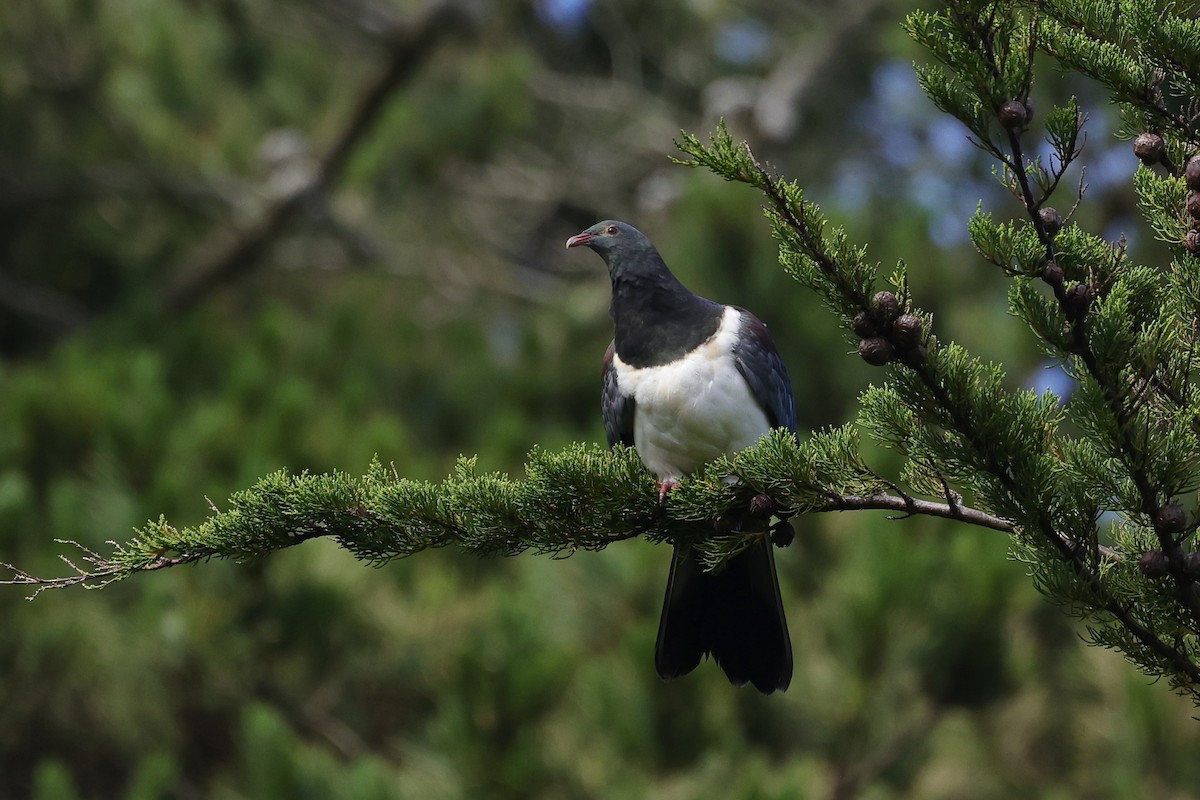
[(911, 506), (583, 498)]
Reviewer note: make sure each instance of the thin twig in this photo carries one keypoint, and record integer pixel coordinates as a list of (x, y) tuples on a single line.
[(912, 506)]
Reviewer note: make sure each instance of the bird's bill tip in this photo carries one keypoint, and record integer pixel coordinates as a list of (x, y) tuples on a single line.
[(578, 239)]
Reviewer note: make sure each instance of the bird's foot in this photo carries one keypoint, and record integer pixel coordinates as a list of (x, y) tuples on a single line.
[(664, 487)]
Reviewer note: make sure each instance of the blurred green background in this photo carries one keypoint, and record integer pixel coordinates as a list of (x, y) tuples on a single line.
[(193, 294)]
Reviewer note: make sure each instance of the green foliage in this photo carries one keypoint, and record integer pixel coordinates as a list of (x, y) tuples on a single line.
[(1144, 53), (1011, 246), (986, 52), (812, 253), (951, 414), (1162, 200), (132, 137), (583, 498)]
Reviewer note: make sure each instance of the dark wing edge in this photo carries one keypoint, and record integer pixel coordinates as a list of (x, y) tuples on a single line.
[(617, 408), (762, 367)]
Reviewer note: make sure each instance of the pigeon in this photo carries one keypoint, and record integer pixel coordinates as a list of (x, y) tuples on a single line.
[(685, 381)]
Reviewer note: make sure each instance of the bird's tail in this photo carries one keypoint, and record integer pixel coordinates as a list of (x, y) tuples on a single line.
[(736, 615)]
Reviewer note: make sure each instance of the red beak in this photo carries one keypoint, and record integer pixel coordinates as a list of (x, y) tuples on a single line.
[(578, 239)]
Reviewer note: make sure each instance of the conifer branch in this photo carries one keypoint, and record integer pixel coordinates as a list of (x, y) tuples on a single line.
[(583, 498), (1075, 305), (1132, 64), (912, 506), (949, 397), (1123, 413)]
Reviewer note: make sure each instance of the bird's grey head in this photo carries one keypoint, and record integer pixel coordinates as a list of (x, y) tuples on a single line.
[(618, 243)]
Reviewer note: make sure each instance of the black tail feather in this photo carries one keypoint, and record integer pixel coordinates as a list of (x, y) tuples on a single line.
[(736, 616)]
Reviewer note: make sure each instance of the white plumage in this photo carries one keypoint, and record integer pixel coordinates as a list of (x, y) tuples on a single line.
[(695, 409)]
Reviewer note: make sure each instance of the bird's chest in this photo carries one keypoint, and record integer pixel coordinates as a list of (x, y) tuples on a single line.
[(691, 411)]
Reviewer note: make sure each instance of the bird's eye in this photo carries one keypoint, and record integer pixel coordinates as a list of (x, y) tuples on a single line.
[(611, 230)]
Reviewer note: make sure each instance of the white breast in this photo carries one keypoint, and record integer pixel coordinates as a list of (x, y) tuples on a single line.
[(693, 410)]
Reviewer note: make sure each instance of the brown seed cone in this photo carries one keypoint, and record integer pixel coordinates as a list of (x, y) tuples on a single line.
[(1193, 205), (1149, 148), (886, 306), (1077, 300), (1192, 241), (862, 325), (1053, 274), (1153, 564), (782, 533), (1191, 173), (906, 331), (876, 351), (1051, 220), (728, 523), (1012, 115), (761, 506), (1171, 518)]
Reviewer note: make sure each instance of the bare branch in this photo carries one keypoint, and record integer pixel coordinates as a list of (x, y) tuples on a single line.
[(911, 506)]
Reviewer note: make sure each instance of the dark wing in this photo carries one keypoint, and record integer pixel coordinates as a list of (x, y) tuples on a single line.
[(617, 408), (761, 365)]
